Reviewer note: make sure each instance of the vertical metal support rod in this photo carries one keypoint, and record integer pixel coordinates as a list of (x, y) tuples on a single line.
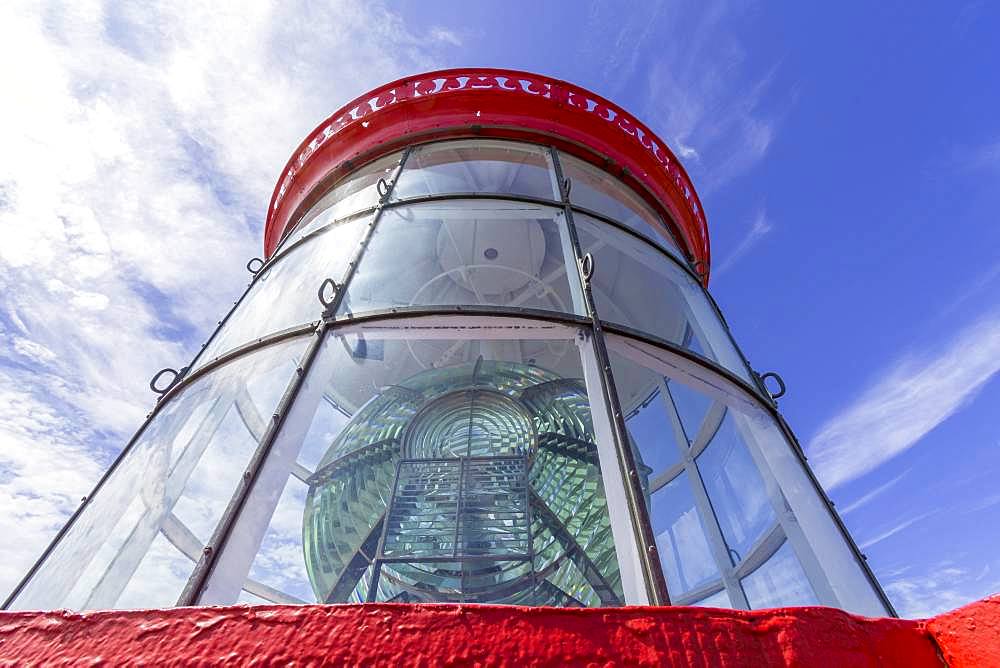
[(198, 580), (656, 584), (377, 561)]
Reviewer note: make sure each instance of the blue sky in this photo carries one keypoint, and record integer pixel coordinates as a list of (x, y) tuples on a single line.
[(847, 157)]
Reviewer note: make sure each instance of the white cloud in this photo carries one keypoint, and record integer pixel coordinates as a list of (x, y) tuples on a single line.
[(140, 146), (892, 531), (704, 96), (760, 228), (866, 498), (946, 587), (911, 398)]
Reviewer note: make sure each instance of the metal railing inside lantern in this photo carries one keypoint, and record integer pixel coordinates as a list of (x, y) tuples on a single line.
[(475, 482)]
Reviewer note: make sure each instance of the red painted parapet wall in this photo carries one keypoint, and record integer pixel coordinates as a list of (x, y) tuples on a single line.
[(429, 635)]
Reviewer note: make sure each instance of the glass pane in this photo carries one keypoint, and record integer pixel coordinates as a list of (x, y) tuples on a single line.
[(719, 599), (639, 287), (599, 191), (284, 294), (477, 166), (680, 537), (779, 581), (654, 438), (736, 490), (467, 252), (137, 541), (692, 407), (355, 193), (471, 447)]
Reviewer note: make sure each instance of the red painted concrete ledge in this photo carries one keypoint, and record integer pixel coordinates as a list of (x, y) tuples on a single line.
[(432, 635)]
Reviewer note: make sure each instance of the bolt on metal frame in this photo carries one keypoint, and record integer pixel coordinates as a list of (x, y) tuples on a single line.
[(653, 581)]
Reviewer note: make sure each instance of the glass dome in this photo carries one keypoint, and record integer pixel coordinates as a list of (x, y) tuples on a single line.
[(475, 370)]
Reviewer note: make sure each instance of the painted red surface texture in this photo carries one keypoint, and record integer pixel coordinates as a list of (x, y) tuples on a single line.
[(969, 636), (448, 635)]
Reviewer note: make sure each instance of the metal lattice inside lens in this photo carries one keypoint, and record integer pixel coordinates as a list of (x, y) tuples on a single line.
[(477, 482)]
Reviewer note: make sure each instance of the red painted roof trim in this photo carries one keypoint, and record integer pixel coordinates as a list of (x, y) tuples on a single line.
[(489, 102)]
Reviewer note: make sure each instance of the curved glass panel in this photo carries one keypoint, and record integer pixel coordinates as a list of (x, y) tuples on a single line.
[(138, 539), (637, 286), (680, 537), (466, 466), (736, 490), (478, 166), (467, 252), (732, 514), (284, 294), (599, 191), (780, 581), (355, 193)]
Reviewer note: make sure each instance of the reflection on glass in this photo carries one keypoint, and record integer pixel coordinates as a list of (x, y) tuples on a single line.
[(779, 581), (355, 193), (719, 599), (599, 191), (477, 166), (653, 435), (467, 252), (637, 286), (654, 438), (736, 490), (284, 294), (692, 408), (713, 515), (680, 537), (465, 469), (137, 541)]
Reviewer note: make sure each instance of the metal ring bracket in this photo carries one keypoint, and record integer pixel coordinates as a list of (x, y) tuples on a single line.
[(254, 265), (587, 266), (780, 381), (328, 286), (567, 186), (159, 374), (383, 189), (700, 267)]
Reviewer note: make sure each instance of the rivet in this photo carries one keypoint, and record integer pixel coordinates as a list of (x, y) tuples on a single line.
[(274, 417), (207, 550)]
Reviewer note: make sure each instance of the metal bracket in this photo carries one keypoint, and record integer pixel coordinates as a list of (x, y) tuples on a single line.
[(328, 285), (159, 374), (567, 186), (383, 188), (587, 267), (700, 267), (781, 384), (253, 267)]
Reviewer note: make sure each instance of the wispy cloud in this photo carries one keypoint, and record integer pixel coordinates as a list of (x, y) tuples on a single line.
[(865, 499), (916, 394), (759, 229), (703, 94), (893, 530), (945, 587), (140, 145)]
